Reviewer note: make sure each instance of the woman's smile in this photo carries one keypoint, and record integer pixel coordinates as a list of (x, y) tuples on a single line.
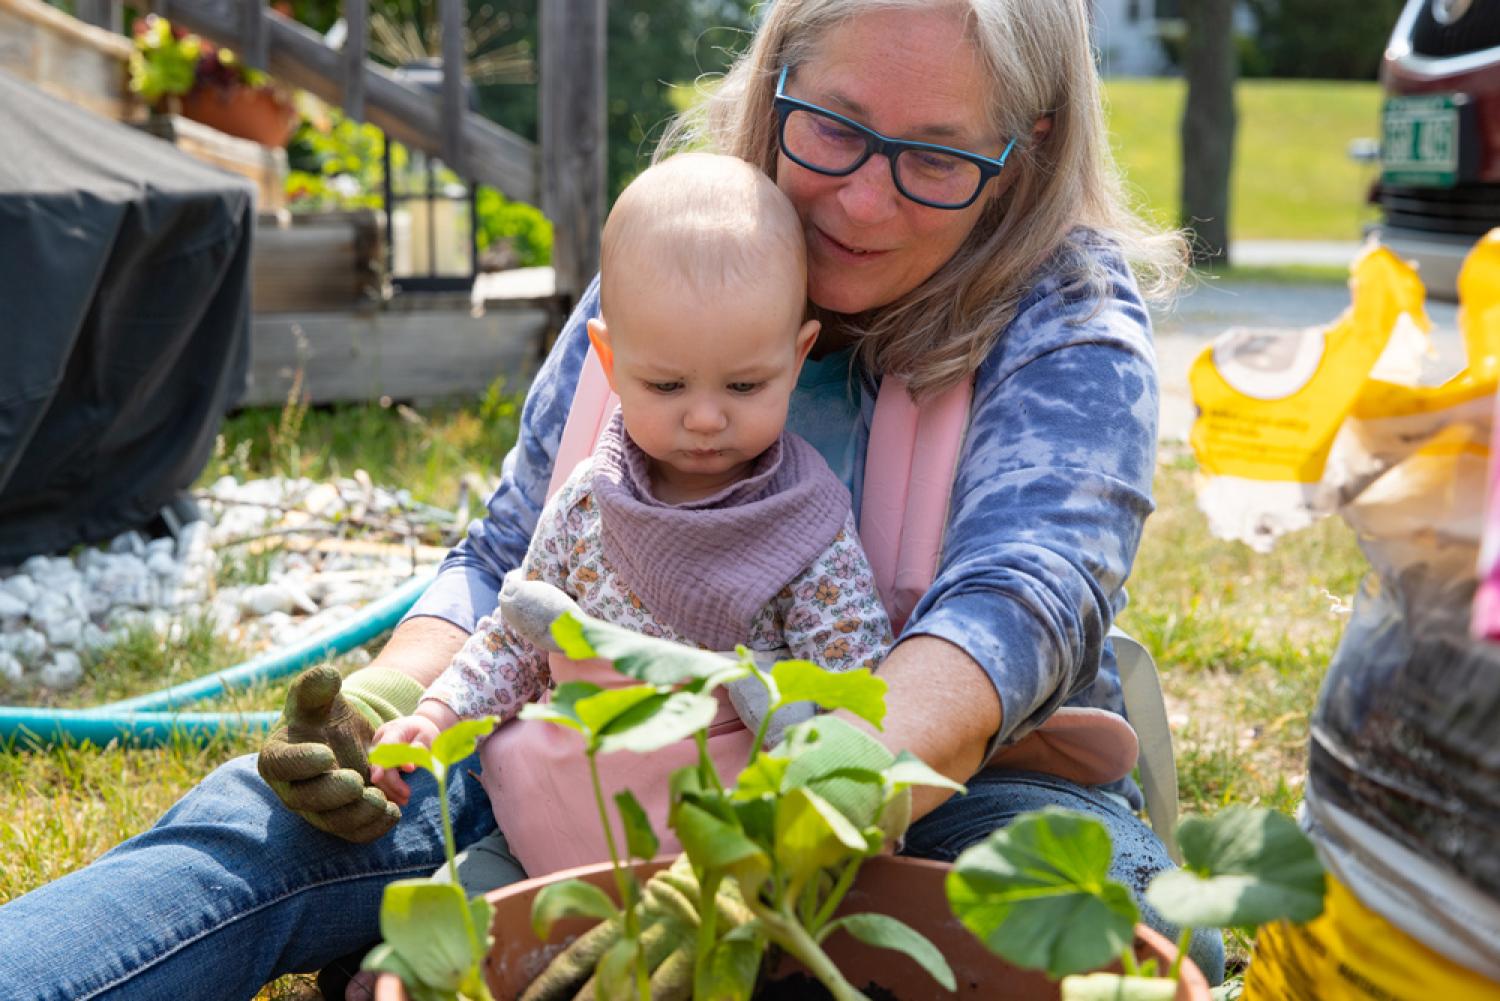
[(830, 245)]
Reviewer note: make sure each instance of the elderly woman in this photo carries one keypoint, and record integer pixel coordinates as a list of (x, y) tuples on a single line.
[(963, 221)]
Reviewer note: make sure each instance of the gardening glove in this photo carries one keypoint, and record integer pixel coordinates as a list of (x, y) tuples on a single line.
[(668, 915), (315, 757)]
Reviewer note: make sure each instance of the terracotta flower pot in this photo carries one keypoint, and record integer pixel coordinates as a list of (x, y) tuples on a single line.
[(255, 113), (909, 889)]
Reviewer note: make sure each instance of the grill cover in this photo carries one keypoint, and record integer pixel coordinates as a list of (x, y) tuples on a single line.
[(124, 321)]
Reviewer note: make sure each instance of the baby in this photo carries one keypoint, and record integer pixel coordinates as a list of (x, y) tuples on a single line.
[(698, 518)]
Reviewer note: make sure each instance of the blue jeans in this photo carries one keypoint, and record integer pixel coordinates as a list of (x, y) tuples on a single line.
[(230, 889), (996, 798)]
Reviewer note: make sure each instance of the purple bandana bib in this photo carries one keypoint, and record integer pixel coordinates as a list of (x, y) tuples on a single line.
[(706, 567)]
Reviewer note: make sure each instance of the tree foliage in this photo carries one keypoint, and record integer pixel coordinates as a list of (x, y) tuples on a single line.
[(1323, 39), (652, 45)]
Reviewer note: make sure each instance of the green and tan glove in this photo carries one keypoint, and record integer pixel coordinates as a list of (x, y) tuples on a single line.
[(314, 758)]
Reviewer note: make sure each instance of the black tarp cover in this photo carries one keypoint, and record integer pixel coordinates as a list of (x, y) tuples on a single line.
[(124, 320)]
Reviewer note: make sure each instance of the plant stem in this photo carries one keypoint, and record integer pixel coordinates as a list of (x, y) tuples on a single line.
[(476, 943), (708, 916), (835, 897), (1127, 961), (1184, 939), (706, 769), (632, 932), (783, 929)]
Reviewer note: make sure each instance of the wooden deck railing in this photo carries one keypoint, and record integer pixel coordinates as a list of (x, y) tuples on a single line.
[(568, 185)]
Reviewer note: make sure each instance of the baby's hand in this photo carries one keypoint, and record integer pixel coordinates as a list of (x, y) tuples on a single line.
[(418, 730)]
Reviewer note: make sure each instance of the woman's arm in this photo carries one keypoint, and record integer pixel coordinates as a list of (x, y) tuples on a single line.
[(949, 726), (1051, 495)]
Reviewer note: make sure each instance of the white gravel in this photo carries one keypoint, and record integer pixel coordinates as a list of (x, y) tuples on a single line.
[(293, 535)]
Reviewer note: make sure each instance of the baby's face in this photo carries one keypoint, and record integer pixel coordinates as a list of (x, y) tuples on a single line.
[(704, 380)]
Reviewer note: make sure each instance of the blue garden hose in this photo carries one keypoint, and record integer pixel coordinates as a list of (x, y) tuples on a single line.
[(151, 720)]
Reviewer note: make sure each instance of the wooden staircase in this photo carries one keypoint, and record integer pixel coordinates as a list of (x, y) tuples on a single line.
[(565, 177), (327, 336)]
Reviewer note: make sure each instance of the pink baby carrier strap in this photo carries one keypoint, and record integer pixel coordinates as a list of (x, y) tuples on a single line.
[(905, 505), (538, 780), (904, 512)]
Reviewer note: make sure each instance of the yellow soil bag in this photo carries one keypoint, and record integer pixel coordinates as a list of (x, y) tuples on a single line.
[(1351, 953), (1403, 783)]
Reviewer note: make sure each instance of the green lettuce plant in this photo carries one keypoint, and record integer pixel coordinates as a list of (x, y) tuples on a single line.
[(434, 937), (783, 842), (1038, 894)]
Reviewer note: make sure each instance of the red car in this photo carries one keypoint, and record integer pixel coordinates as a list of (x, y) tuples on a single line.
[(1439, 187)]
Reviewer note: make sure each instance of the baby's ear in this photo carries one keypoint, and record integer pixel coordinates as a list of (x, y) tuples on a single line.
[(599, 338), (806, 338)]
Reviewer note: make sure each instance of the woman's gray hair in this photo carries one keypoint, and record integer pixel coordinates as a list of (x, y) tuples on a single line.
[(1040, 62)]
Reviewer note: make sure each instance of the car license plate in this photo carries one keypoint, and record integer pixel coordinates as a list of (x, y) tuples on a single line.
[(1419, 141)]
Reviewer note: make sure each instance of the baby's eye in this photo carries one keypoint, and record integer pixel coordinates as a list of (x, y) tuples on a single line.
[(744, 387), (664, 387)]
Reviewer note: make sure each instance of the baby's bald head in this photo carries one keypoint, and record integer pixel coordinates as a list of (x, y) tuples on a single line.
[(705, 224)]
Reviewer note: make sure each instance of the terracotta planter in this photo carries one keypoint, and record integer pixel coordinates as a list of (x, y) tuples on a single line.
[(258, 114), (909, 889)]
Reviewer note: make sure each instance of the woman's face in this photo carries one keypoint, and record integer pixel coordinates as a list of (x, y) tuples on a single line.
[(907, 74)]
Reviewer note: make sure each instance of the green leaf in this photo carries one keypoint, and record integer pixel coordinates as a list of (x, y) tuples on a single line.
[(657, 723), (762, 777), (811, 834), (571, 898), (858, 691), (826, 745), (709, 841), (561, 709), (1038, 894), (886, 932), (396, 755), (839, 762), (424, 922), (910, 770), (458, 741), (1113, 987), (1243, 867), (599, 710), (384, 959), (640, 840), (617, 968), (733, 964), (644, 658)]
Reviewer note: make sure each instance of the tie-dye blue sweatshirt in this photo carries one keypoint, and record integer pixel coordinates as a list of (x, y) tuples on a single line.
[(1053, 487)]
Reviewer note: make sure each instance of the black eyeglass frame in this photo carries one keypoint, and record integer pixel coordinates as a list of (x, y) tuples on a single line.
[(887, 147)]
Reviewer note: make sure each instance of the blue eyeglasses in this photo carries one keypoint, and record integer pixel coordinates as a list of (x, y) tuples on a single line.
[(937, 176)]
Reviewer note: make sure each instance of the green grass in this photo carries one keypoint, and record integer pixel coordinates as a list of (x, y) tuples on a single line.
[(427, 452), (1241, 639), (1291, 180), (64, 807), (1283, 274)]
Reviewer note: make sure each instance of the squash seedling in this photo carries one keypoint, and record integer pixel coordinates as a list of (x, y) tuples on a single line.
[(767, 859), (1038, 894), (434, 937)]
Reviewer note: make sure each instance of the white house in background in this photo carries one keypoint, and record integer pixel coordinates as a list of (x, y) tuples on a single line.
[(1127, 34)]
